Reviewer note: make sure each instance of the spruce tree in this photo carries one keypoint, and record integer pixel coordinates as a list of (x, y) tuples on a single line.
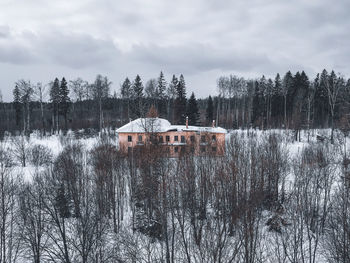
[(137, 96), (64, 100), (277, 99), (137, 87), (209, 111), (160, 94), (192, 110), (180, 101), (55, 99), (161, 86), (17, 104)]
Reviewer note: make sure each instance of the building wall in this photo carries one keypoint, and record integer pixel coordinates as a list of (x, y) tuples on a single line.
[(199, 143)]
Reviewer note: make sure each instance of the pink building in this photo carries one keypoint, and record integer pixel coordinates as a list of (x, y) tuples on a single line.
[(173, 140)]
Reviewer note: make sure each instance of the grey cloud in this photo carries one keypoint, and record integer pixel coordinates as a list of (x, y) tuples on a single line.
[(200, 58), (200, 38), (4, 31), (79, 50)]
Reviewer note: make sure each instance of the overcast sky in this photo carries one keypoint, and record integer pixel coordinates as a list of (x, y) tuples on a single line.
[(203, 39)]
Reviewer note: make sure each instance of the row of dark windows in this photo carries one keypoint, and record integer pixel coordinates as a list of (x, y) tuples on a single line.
[(176, 138)]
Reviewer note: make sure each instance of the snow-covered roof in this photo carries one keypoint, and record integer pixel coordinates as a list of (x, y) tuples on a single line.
[(162, 125)]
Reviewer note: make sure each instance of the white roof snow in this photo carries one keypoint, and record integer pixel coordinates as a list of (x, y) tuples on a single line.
[(161, 125)]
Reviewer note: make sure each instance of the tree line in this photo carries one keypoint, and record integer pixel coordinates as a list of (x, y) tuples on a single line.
[(292, 101)]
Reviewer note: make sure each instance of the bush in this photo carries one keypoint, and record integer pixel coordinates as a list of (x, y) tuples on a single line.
[(40, 155)]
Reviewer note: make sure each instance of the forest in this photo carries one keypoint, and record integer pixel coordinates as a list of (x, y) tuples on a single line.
[(279, 194), (292, 102)]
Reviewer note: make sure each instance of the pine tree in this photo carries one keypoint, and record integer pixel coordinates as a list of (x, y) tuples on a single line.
[(192, 110), (180, 101), (64, 100), (210, 111)]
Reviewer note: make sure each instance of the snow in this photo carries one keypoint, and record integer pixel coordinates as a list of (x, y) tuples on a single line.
[(162, 125)]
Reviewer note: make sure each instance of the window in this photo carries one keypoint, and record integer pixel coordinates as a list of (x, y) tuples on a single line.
[(167, 138), (129, 138), (161, 139), (202, 149), (140, 138), (176, 138), (192, 138), (192, 149), (176, 149), (182, 149), (213, 149), (203, 138), (183, 139), (213, 138)]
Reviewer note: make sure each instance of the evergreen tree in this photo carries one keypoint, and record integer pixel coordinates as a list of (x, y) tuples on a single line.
[(161, 86), (17, 104), (126, 92), (287, 85), (55, 100), (321, 100), (209, 111), (192, 110), (137, 96), (64, 100), (137, 87), (180, 101), (277, 99)]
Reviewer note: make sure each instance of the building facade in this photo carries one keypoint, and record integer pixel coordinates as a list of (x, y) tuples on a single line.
[(172, 140)]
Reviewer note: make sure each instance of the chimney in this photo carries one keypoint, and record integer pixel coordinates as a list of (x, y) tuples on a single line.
[(186, 122), (213, 125)]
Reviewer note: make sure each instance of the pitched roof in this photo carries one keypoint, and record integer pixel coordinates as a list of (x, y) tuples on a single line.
[(162, 125)]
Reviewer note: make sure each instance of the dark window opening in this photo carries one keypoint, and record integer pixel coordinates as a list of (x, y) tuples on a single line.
[(167, 138), (176, 138), (213, 149), (192, 138), (213, 137), (183, 139), (202, 149), (176, 149), (203, 138), (140, 138), (161, 139), (129, 138), (182, 149), (192, 149)]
